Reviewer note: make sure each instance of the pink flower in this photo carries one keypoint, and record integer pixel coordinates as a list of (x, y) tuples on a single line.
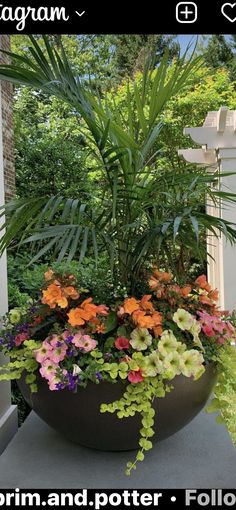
[(66, 334), (43, 352), (221, 340), (48, 369), (208, 331), (19, 339), (121, 312), (55, 380), (58, 351), (122, 343), (77, 337), (135, 376), (53, 383), (84, 342)]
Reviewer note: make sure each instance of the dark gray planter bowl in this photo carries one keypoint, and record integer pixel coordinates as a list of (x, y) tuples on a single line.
[(77, 415)]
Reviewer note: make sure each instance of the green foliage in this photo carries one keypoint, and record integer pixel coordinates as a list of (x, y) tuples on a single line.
[(24, 283), (21, 361), (108, 57), (184, 199), (219, 52), (131, 51), (138, 398), (208, 92), (224, 401), (49, 147), (130, 221)]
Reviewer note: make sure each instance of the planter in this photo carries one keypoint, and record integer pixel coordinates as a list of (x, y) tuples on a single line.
[(78, 418)]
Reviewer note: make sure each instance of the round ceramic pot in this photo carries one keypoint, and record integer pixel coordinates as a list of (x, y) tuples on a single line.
[(77, 415)]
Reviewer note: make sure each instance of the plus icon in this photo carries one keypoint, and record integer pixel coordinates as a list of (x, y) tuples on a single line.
[(186, 12)]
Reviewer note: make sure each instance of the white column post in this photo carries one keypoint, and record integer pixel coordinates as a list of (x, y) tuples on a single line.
[(227, 161), (8, 412)]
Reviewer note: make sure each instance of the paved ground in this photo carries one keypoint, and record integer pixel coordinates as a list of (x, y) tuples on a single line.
[(199, 456)]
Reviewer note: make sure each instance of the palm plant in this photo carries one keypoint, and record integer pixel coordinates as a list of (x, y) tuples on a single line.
[(140, 212)]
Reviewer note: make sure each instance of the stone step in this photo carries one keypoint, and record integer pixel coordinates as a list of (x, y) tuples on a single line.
[(199, 456)]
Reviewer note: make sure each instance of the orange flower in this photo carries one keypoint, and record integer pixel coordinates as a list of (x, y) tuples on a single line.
[(162, 276), (100, 328), (185, 291), (157, 331), (161, 291), (63, 303), (71, 292), (153, 283), (202, 282), (48, 275), (85, 312), (53, 296), (145, 303), (157, 318), (131, 305), (89, 308), (146, 321), (205, 300), (77, 317), (142, 320), (214, 295)]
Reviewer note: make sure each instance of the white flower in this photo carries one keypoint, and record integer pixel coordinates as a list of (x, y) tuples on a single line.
[(183, 319), (168, 342), (195, 331), (172, 365), (191, 364)]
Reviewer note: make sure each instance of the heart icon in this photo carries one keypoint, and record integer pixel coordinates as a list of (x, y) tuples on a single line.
[(230, 15)]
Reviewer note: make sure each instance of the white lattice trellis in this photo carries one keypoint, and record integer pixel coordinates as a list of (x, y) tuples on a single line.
[(217, 138)]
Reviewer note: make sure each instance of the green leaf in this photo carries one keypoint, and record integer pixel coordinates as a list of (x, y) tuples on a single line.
[(122, 331), (111, 322), (108, 344)]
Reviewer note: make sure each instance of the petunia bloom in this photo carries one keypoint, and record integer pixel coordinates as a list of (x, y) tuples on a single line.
[(168, 343), (135, 376), (183, 319), (122, 343), (140, 339), (43, 352), (48, 369), (84, 342), (19, 339)]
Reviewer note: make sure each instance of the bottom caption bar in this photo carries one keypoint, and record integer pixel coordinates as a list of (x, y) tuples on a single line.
[(102, 498)]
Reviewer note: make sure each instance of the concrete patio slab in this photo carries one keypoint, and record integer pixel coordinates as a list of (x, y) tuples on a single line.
[(199, 456)]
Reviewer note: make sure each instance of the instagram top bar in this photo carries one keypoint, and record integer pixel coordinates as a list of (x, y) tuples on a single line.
[(80, 17)]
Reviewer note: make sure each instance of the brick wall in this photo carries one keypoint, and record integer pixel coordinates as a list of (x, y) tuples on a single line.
[(7, 123)]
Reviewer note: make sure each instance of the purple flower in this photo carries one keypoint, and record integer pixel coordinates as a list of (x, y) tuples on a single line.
[(22, 327), (99, 376), (71, 353), (60, 386), (69, 339), (73, 380)]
